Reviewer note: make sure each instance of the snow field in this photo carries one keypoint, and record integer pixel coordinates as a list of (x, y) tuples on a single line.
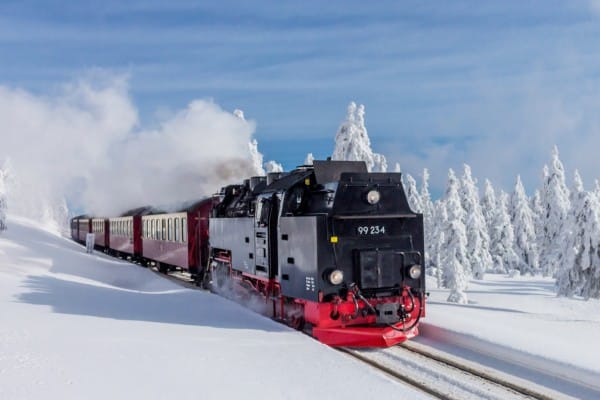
[(77, 326)]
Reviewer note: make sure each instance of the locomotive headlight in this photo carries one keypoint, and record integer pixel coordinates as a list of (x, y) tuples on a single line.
[(414, 271), (373, 197), (336, 277)]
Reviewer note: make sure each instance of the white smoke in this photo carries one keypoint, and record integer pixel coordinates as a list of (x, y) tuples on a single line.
[(84, 145)]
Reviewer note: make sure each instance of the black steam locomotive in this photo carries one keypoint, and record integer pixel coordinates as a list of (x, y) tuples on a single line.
[(335, 249)]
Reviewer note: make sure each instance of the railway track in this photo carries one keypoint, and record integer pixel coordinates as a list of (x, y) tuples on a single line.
[(448, 377)]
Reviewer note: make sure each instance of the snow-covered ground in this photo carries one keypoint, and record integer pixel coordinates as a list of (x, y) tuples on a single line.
[(520, 325), (79, 326)]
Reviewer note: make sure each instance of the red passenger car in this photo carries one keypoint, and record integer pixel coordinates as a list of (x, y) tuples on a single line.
[(125, 236), (80, 226), (100, 227), (178, 240)]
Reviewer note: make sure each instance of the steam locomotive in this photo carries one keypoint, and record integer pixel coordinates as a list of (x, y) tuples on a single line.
[(333, 249)]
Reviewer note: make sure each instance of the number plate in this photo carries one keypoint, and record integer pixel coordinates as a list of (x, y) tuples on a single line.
[(371, 230)]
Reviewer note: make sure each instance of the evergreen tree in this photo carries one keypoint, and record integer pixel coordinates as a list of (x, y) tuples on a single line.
[(523, 222), (352, 141), (455, 279), (582, 258), (502, 237), (438, 241), (478, 240), (488, 205), (538, 220), (428, 219), (414, 199), (556, 204), (456, 268)]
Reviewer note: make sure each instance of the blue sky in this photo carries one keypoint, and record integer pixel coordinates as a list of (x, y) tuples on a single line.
[(493, 84)]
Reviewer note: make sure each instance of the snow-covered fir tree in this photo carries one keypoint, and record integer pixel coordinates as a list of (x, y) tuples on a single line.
[(478, 240), (523, 221), (412, 193), (428, 218), (352, 141), (456, 268), (488, 205), (455, 279), (581, 276), (3, 196), (556, 205), (538, 219), (502, 238), (438, 242)]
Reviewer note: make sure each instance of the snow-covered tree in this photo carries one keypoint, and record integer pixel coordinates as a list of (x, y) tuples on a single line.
[(556, 204), (478, 240), (523, 222), (352, 142), (438, 242), (488, 205), (454, 250), (581, 276), (428, 219), (502, 238), (412, 193), (538, 219), (3, 201), (455, 279)]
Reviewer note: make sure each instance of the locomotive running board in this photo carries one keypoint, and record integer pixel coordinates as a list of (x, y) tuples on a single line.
[(362, 336)]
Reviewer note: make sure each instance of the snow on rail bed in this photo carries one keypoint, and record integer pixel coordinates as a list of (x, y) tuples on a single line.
[(520, 326), (74, 325)]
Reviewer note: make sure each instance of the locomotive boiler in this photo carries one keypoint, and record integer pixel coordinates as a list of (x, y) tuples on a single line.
[(334, 249)]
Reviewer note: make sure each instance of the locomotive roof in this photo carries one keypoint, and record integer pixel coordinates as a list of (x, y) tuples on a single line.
[(324, 171), (331, 171), (289, 180)]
